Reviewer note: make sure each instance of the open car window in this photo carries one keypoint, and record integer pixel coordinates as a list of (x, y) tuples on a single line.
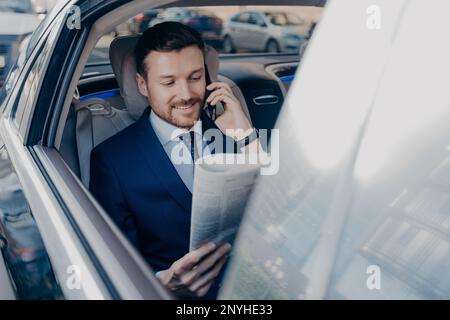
[(215, 25)]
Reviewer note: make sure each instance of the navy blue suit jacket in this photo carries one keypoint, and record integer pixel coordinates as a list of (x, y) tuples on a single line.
[(136, 183)]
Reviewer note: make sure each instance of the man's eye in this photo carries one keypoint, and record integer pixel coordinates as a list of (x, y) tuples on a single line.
[(195, 78), (168, 83)]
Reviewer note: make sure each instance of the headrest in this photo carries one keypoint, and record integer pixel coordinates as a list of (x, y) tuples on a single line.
[(121, 53)]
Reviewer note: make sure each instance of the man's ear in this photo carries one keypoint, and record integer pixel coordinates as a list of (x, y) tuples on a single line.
[(142, 85)]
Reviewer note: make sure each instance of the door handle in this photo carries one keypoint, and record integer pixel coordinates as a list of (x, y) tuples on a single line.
[(266, 99)]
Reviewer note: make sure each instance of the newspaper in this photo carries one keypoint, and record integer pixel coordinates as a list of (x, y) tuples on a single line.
[(221, 189)]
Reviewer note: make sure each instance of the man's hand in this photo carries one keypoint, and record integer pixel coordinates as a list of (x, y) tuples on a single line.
[(233, 116), (195, 272)]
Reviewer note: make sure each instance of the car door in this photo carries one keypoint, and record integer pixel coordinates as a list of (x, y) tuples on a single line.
[(241, 32), (31, 220), (231, 28), (89, 256), (26, 271)]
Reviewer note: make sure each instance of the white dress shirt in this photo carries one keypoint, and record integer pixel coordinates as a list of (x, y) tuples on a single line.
[(178, 150)]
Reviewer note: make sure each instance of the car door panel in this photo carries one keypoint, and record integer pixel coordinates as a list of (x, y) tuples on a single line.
[(257, 31), (6, 287), (23, 252)]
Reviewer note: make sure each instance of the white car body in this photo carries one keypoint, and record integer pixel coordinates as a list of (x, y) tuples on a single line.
[(258, 33)]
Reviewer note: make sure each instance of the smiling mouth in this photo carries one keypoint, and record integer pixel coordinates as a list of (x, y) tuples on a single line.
[(184, 107)]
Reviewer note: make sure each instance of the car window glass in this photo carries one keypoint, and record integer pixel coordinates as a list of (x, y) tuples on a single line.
[(35, 76), (14, 70), (252, 19), (212, 22), (371, 222), (244, 18), (21, 244), (235, 18), (29, 89), (285, 19), (256, 19)]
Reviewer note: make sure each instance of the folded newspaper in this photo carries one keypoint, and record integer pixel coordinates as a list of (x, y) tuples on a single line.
[(222, 185)]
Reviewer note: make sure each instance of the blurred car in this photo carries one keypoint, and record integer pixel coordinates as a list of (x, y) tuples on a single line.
[(140, 22), (17, 20), (263, 31), (204, 21)]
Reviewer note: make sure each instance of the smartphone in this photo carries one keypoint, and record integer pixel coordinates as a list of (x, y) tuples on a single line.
[(211, 110)]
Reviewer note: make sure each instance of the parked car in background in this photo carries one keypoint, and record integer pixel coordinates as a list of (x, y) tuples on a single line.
[(17, 20), (263, 31), (141, 21), (204, 21)]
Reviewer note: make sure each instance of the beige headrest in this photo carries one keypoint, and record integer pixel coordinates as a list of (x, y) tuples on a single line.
[(121, 53)]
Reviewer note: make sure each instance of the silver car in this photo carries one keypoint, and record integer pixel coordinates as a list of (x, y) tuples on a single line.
[(264, 31)]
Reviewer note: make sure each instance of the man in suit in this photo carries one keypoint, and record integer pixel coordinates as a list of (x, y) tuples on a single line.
[(134, 174)]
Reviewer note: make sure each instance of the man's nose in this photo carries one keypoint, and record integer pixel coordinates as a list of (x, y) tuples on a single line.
[(184, 91)]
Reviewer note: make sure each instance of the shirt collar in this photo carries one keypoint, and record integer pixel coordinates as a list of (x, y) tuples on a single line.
[(167, 132)]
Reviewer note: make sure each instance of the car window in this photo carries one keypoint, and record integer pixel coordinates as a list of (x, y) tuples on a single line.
[(29, 89), (35, 76), (235, 18), (244, 18), (212, 24), (199, 12), (21, 244), (365, 217), (169, 15), (256, 18), (14, 70), (285, 19)]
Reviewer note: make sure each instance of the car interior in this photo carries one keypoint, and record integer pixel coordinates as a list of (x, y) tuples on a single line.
[(103, 98), (106, 98)]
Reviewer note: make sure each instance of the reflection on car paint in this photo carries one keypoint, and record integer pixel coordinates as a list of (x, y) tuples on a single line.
[(22, 246)]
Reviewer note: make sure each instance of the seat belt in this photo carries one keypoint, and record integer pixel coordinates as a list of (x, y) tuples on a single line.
[(84, 111)]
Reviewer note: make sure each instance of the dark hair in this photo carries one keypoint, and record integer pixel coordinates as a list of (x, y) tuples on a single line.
[(164, 37)]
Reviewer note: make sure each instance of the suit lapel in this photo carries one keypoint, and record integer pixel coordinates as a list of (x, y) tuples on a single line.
[(159, 162)]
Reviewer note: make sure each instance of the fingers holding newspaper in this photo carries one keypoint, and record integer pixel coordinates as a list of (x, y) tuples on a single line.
[(194, 273)]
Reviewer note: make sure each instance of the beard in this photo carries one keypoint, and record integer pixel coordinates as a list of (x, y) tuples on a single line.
[(178, 115)]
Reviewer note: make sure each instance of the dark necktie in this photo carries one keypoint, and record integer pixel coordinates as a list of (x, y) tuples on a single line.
[(192, 144)]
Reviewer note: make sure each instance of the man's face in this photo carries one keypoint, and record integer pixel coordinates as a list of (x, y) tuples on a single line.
[(175, 85)]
